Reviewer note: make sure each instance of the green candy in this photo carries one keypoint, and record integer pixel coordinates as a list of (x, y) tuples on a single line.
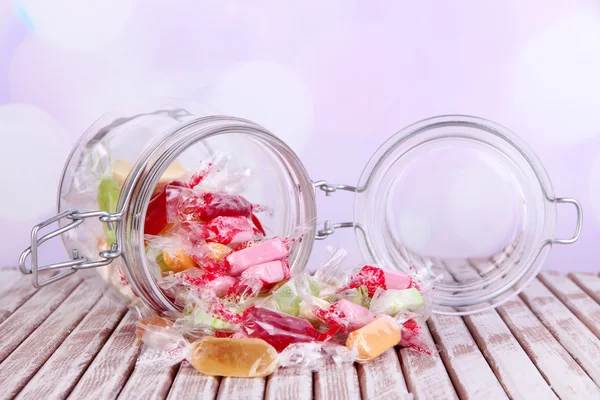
[(108, 196), (392, 302), (287, 300), (201, 318), (313, 286)]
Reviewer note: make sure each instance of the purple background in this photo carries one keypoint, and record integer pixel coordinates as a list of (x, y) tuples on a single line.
[(321, 74)]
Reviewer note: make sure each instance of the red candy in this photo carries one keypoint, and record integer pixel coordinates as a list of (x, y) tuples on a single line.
[(372, 278), (216, 282), (156, 214), (186, 204), (411, 337), (245, 289), (278, 329)]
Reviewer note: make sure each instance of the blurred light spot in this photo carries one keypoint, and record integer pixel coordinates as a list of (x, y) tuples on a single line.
[(21, 13), (594, 188), (32, 159), (558, 81), (77, 25), (270, 95)]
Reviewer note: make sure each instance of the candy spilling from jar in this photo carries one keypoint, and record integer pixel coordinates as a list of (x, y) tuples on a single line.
[(243, 311)]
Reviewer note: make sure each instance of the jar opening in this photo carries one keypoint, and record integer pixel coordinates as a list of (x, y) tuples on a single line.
[(274, 178), (482, 221)]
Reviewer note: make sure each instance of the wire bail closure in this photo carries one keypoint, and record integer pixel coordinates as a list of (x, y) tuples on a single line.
[(77, 262), (329, 228)]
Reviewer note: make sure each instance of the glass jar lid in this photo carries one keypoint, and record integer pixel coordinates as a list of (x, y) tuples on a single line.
[(464, 198)]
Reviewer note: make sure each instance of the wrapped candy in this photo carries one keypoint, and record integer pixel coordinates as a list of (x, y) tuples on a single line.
[(344, 315), (270, 250), (374, 338), (234, 357), (278, 329)]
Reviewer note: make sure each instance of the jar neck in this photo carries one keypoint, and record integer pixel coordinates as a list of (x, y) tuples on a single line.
[(295, 215)]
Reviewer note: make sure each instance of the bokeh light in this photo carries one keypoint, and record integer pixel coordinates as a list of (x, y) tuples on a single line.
[(558, 83), (77, 25), (32, 161), (269, 94)]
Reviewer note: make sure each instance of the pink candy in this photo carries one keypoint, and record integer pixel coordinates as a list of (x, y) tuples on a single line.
[(345, 314), (230, 230), (271, 250), (397, 280), (270, 272)]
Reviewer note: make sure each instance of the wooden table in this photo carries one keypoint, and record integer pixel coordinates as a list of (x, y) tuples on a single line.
[(71, 340)]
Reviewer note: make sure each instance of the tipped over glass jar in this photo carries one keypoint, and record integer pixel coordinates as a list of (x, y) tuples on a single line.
[(131, 163)]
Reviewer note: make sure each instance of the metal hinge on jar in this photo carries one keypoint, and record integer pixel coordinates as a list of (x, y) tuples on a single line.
[(328, 227), (77, 262)]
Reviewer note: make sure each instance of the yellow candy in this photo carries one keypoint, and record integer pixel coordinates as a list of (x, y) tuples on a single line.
[(374, 338), (218, 251), (122, 168), (244, 358), (178, 261)]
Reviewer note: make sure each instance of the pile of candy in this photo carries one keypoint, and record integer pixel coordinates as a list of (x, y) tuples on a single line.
[(244, 311)]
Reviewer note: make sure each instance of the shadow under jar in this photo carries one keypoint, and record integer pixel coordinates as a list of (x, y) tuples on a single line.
[(457, 196)]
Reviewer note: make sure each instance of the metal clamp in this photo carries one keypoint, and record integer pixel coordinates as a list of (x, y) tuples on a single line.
[(77, 262), (579, 220), (328, 227)]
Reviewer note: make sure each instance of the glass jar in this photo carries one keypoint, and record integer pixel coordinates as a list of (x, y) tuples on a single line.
[(396, 224)]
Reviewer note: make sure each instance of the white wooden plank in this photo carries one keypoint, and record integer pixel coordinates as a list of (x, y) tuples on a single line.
[(516, 372), (191, 384), (32, 313), (109, 371), (471, 374), (579, 302), (426, 376), (8, 276), (590, 283), (14, 294), (382, 378), (563, 374), (27, 359), (149, 382), (290, 383), (337, 381), (60, 373), (570, 331), (241, 389)]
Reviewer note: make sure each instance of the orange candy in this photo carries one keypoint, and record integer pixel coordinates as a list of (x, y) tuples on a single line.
[(374, 338), (218, 251), (178, 261)]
